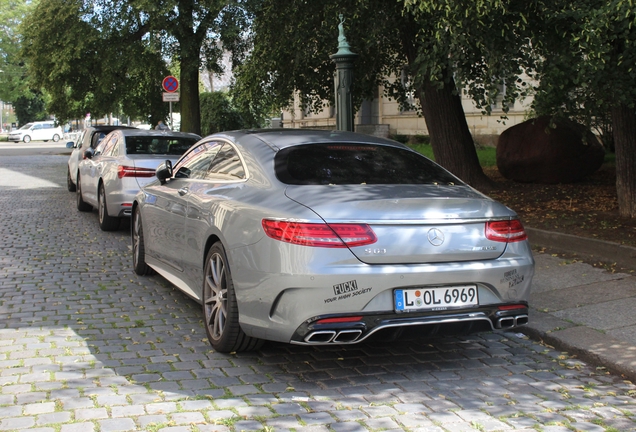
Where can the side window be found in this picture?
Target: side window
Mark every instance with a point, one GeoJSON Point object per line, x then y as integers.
{"type": "Point", "coordinates": [80, 139]}
{"type": "Point", "coordinates": [102, 145]}
{"type": "Point", "coordinates": [226, 165]}
{"type": "Point", "coordinates": [37, 127]}
{"type": "Point", "coordinates": [97, 138]}
{"type": "Point", "coordinates": [196, 162]}
{"type": "Point", "coordinates": [110, 145]}
{"type": "Point", "coordinates": [47, 126]}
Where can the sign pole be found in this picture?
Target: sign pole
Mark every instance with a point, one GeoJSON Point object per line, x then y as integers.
{"type": "Point", "coordinates": [171, 115]}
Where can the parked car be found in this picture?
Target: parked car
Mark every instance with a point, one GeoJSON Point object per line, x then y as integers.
{"type": "Point", "coordinates": [37, 131]}
{"type": "Point", "coordinates": [323, 237]}
{"type": "Point", "coordinates": [122, 163]}
{"type": "Point", "coordinates": [90, 137]}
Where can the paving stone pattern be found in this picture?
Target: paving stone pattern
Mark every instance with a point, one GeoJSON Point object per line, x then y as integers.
{"type": "Point", "coordinates": [86, 345]}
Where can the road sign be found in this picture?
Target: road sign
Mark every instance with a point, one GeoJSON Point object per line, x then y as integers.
{"type": "Point", "coordinates": [170, 84]}
{"type": "Point", "coordinates": [171, 97]}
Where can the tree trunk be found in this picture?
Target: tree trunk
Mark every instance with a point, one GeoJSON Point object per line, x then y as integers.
{"type": "Point", "coordinates": [624, 127]}
{"type": "Point", "coordinates": [189, 60]}
{"type": "Point", "coordinates": [190, 109]}
{"type": "Point", "coordinates": [451, 140]}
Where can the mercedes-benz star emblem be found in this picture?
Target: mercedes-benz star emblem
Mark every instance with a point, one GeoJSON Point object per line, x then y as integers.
{"type": "Point", "coordinates": [435, 237]}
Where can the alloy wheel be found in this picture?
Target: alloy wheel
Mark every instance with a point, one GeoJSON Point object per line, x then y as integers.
{"type": "Point", "coordinates": [216, 296]}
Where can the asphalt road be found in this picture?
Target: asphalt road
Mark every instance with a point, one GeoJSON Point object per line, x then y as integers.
{"type": "Point", "coordinates": [87, 345]}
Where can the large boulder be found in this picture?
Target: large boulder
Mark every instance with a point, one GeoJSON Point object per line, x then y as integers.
{"type": "Point", "coordinates": [534, 152]}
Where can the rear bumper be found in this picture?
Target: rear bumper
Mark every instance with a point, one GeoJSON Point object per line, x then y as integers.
{"type": "Point", "coordinates": [451, 322]}
{"type": "Point", "coordinates": [283, 291]}
{"type": "Point", "coordinates": [120, 201]}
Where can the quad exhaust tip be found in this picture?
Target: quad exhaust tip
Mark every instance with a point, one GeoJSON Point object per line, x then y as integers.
{"type": "Point", "coordinates": [512, 321]}
{"type": "Point", "coordinates": [333, 336]}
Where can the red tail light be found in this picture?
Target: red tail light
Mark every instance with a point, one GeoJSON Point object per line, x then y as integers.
{"type": "Point", "coordinates": [320, 235]}
{"type": "Point", "coordinates": [506, 231]}
{"type": "Point", "coordinates": [128, 171]}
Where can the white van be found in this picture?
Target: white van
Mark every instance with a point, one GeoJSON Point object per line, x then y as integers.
{"type": "Point", "coordinates": [37, 131]}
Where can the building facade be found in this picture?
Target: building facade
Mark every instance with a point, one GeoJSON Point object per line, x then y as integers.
{"type": "Point", "coordinates": [384, 117]}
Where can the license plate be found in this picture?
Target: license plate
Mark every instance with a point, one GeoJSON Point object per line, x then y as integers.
{"type": "Point", "coordinates": [435, 298]}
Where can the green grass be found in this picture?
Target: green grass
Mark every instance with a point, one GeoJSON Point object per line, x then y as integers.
{"type": "Point", "coordinates": [487, 155]}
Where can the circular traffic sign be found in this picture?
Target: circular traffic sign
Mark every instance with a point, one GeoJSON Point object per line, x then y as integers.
{"type": "Point", "coordinates": [170, 84]}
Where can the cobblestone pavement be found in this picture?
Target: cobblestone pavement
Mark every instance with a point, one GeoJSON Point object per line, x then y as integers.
{"type": "Point", "coordinates": [86, 345]}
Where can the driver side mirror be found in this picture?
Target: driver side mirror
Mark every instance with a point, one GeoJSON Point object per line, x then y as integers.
{"type": "Point", "coordinates": [89, 153]}
{"type": "Point", "coordinates": [164, 171]}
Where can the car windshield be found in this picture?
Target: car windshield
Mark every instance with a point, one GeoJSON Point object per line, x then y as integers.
{"type": "Point", "coordinates": [321, 164]}
{"type": "Point", "coordinates": [158, 145]}
{"type": "Point", "coordinates": [26, 126]}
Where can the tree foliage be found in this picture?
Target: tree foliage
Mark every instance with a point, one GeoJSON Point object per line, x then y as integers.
{"type": "Point", "coordinates": [12, 71]}
{"type": "Point", "coordinates": [29, 107]}
{"type": "Point", "coordinates": [588, 49]}
{"type": "Point", "coordinates": [485, 43]}
{"type": "Point", "coordinates": [217, 114]}
{"type": "Point", "coordinates": [430, 43]}
{"type": "Point", "coordinates": [85, 69]}
{"type": "Point", "coordinates": [103, 55]}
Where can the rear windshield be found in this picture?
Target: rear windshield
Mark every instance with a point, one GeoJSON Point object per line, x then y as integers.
{"type": "Point", "coordinates": [323, 164]}
{"type": "Point", "coordinates": [158, 145]}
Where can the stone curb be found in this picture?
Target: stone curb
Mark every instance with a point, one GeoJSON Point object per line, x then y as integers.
{"type": "Point", "coordinates": [587, 344]}
{"type": "Point", "coordinates": [601, 250]}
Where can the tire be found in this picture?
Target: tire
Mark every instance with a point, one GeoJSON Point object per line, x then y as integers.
{"type": "Point", "coordinates": [81, 205]}
{"type": "Point", "coordinates": [220, 308]}
{"type": "Point", "coordinates": [56, 138]}
{"type": "Point", "coordinates": [106, 222]}
{"type": "Point", "coordinates": [26, 139]}
{"type": "Point", "coordinates": [69, 182]}
{"type": "Point", "coordinates": [138, 246]}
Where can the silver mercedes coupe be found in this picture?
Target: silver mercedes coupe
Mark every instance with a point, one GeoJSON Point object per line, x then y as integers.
{"type": "Point", "coordinates": [324, 237]}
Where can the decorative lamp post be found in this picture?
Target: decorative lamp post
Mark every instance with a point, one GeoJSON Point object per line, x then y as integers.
{"type": "Point", "coordinates": [343, 80]}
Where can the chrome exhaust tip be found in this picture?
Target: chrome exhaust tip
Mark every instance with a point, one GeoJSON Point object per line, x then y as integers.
{"type": "Point", "coordinates": [511, 321]}
{"type": "Point", "coordinates": [505, 322]}
{"type": "Point", "coordinates": [320, 337]}
{"type": "Point", "coordinates": [346, 336]}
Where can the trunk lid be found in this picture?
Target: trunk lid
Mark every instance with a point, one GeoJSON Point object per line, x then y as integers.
{"type": "Point", "coordinates": [413, 224]}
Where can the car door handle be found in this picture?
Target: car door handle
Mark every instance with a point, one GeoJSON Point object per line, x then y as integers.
{"type": "Point", "coordinates": [183, 191]}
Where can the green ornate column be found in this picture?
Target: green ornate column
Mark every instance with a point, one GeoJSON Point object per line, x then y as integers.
{"type": "Point", "coordinates": [343, 81]}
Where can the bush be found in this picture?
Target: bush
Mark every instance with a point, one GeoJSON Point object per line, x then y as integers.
{"type": "Point", "coordinates": [217, 114]}
{"type": "Point", "coordinates": [400, 138]}
{"type": "Point", "coordinates": [420, 139]}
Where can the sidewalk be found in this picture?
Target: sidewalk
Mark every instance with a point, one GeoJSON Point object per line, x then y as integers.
{"type": "Point", "coordinates": [581, 309]}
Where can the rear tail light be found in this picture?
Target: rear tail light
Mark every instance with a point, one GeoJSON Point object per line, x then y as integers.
{"type": "Point", "coordinates": [131, 171]}
{"type": "Point", "coordinates": [320, 235]}
{"type": "Point", "coordinates": [506, 231]}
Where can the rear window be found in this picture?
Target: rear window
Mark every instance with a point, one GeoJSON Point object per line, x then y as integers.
{"type": "Point", "coordinates": [158, 145]}
{"type": "Point", "coordinates": [323, 164]}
